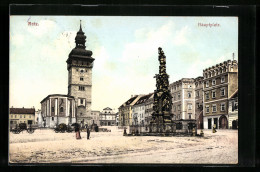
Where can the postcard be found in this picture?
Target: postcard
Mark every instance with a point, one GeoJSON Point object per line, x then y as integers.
{"type": "Point", "coordinates": [123, 90]}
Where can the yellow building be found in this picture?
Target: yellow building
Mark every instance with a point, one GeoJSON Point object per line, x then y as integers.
{"type": "Point", "coordinates": [125, 111]}
{"type": "Point", "coordinates": [22, 115]}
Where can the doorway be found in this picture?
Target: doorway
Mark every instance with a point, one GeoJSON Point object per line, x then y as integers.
{"type": "Point", "coordinates": [223, 123]}
{"type": "Point", "coordinates": [209, 123]}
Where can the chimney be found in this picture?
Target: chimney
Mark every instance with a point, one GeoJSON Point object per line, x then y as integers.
{"type": "Point", "coordinates": [233, 55]}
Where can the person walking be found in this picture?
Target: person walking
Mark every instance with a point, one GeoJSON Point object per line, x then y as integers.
{"type": "Point", "coordinates": [77, 132]}
{"type": "Point", "coordinates": [88, 133]}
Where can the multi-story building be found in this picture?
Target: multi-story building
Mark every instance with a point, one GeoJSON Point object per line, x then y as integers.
{"type": "Point", "coordinates": [233, 111]}
{"type": "Point", "coordinates": [148, 109]}
{"type": "Point", "coordinates": [125, 111]}
{"type": "Point", "coordinates": [21, 115]}
{"type": "Point", "coordinates": [139, 110]}
{"type": "Point", "coordinates": [183, 99]}
{"type": "Point", "coordinates": [79, 66]}
{"type": "Point", "coordinates": [107, 117]}
{"type": "Point", "coordinates": [94, 118]}
{"type": "Point", "coordinates": [220, 82]}
{"type": "Point", "coordinates": [199, 101]}
{"type": "Point", "coordinates": [117, 119]}
{"type": "Point", "coordinates": [57, 109]}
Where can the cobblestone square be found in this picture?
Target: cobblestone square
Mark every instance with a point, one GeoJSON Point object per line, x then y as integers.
{"type": "Point", "coordinates": [46, 146]}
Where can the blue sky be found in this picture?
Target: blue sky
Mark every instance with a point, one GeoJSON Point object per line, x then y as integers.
{"type": "Point", "coordinates": [125, 51]}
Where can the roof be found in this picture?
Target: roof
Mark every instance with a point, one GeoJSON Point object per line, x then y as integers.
{"type": "Point", "coordinates": [143, 99]}
{"type": "Point", "coordinates": [56, 95]}
{"type": "Point", "coordinates": [107, 108]}
{"type": "Point", "coordinates": [129, 101]}
{"type": "Point", "coordinates": [22, 111]}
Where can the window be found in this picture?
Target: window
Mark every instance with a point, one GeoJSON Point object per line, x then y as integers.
{"type": "Point", "coordinates": [174, 97]}
{"type": "Point", "coordinates": [189, 115]}
{"type": "Point", "coordinates": [81, 88]}
{"type": "Point", "coordinates": [207, 95]}
{"type": "Point", "coordinates": [222, 91]}
{"type": "Point", "coordinates": [52, 109]}
{"type": "Point", "coordinates": [15, 116]}
{"type": "Point", "coordinates": [24, 116]}
{"type": "Point", "coordinates": [189, 94]}
{"type": "Point", "coordinates": [179, 107]}
{"type": "Point", "coordinates": [174, 108]}
{"type": "Point", "coordinates": [52, 118]}
{"type": "Point", "coordinates": [61, 109]}
{"type": "Point", "coordinates": [234, 106]}
{"type": "Point", "coordinates": [189, 106]}
{"type": "Point", "coordinates": [81, 101]}
{"type": "Point", "coordinates": [214, 108]}
{"type": "Point", "coordinates": [222, 79]}
{"type": "Point", "coordinates": [20, 116]}
{"type": "Point", "coordinates": [198, 105]}
{"type": "Point", "coordinates": [30, 116]}
{"type": "Point", "coordinates": [179, 95]}
{"type": "Point", "coordinates": [81, 78]}
{"type": "Point", "coordinates": [213, 94]}
{"type": "Point", "coordinates": [197, 93]}
{"type": "Point", "coordinates": [222, 107]}
{"type": "Point", "coordinates": [207, 109]}
{"type": "Point", "coordinates": [207, 83]}
{"type": "Point", "coordinates": [213, 82]}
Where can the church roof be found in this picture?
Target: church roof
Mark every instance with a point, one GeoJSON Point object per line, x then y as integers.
{"type": "Point", "coordinates": [56, 95]}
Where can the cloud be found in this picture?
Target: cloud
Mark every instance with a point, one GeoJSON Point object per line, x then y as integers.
{"type": "Point", "coordinates": [181, 36]}
{"type": "Point", "coordinates": [147, 40]}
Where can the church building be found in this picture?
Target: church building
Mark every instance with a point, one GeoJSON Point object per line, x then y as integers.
{"type": "Point", "coordinates": [76, 106]}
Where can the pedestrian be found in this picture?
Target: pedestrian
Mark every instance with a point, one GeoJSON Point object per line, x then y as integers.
{"type": "Point", "coordinates": [77, 132]}
{"type": "Point", "coordinates": [88, 132]}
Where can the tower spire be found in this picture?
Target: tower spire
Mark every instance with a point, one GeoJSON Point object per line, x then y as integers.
{"type": "Point", "coordinates": [80, 27]}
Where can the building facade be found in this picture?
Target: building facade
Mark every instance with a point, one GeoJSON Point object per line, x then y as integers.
{"type": "Point", "coordinates": [148, 109]}
{"type": "Point", "coordinates": [79, 66]}
{"type": "Point", "coordinates": [94, 118]}
{"type": "Point", "coordinates": [233, 111]}
{"type": "Point", "coordinates": [199, 101]}
{"type": "Point", "coordinates": [125, 111]}
{"type": "Point", "coordinates": [107, 117]}
{"type": "Point", "coordinates": [21, 115]}
{"type": "Point", "coordinates": [220, 82]}
{"type": "Point", "coordinates": [139, 110]}
{"type": "Point", "coordinates": [183, 99]}
{"type": "Point", "coordinates": [57, 109]}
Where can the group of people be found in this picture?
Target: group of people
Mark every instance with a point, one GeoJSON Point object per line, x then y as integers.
{"type": "Point", "coordinates": [77, 130]}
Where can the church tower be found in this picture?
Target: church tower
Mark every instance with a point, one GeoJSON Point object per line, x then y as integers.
{"type": "Point", "coordinates": [79, 66]}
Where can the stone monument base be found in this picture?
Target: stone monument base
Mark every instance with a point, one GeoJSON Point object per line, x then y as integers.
{"type": "Point", "coordinates": [173, 128]}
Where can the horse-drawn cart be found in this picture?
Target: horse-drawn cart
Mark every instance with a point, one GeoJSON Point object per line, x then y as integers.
{"type": "Point", "coordinates": [22, 127]}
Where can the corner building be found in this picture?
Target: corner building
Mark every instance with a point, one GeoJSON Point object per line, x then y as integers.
{"type": "Point", "coordinates": [220, 83]}
{"type": "Point", "coordinates": [79, 66]}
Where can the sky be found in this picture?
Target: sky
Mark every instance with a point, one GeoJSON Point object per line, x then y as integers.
{"type": "Point", "coordinates": [125, 51]}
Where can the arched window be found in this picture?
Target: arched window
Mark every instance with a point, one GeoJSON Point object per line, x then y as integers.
{"type": "Point", "coordinates": [61, 109]}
